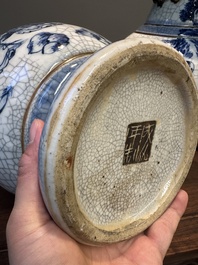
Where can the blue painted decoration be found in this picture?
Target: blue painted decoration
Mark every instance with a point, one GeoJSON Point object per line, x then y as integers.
{"type": "Point", "coordinates": [50, 90]}
{"type": "Point", "coordinates": [88, 33]}
{"type": "Point", "coordinates": [44, 43]}
{"type": "Point", "coordinates": [26, 29]}
{"type": "Point", "coordinates": [190, 12]}
{"type": "Point", "coordinates": [47, 43]}
{"type": "Point", "coordinates": [177, 25]}
{"type": "Point", "coordinates": [8, 51]}
{"type": "Point", "coordinates": [185, 44]}
{"type": "Point", "coordinates": [4, 97]}
{"type": "Point", "coordinates": [181, 45]}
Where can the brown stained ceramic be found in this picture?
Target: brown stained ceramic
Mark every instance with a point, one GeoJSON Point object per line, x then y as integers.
{"type": "Point", "coordinates": [100, 199]}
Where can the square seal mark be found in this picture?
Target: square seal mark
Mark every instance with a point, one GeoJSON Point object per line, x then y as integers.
{"type": "Point", "coordinates": [139, 142]}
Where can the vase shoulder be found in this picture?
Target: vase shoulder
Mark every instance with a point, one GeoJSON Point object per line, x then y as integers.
{"type": "Point", "coordinates": [28, 55]}
{"type": "Point", "coordinates": [182, 13]}
{"type": "Point", "coordinates": [176, 25]}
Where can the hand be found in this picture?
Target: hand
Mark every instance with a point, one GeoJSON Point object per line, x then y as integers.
{"type": "Point", "coordinates": [33, 238]}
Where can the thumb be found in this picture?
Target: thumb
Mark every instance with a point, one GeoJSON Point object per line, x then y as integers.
{"type": "Point", "coordinates": [162, 231]}
{"type": "Point", "coordinates": [27, 191]}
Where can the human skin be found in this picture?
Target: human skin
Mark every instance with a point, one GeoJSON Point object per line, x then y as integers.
{"type": "Point", "coordinates": [33, 238]}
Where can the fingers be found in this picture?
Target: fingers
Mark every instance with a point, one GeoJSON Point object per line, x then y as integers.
{"type": "Point", "coordinates": [27, 192]}
{"type": "Point", "coordinates": [162, 231]}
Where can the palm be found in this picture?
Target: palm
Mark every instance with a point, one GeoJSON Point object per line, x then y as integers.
{"type": "Point", "coordinates": [139, 250]}
{"type": "Point", "coordinates": [58, 248]}
{"type": "Point", "coordinates": [33, 238]}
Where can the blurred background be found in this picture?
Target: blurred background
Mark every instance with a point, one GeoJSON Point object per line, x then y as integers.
{"type": "Point", "coordinates": [114, 19]}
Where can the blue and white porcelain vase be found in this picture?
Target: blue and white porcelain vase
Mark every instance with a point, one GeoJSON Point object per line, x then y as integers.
{"type": "Point", "coordinates": [35, 63]}
{"type": "Point", "coordinates": [121, 126]}
{"type": "Point", "coordinates": [176, 24]}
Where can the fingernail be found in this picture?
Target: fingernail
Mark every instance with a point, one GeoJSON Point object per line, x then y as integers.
{"type": "Point", "coordinates": [33, 130]}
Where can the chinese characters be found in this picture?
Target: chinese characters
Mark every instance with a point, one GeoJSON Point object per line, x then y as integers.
{"type": "Point", "coordinates": [139, 142]}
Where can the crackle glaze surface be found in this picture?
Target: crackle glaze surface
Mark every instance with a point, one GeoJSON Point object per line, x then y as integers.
{"type": "Point", "coordinates": [182, 13]}
{"type": "Point", "coordinates": [147, 95]}
{"type": "Point", "coordinates": [121, 126]}
{"type": "Point", "coordinates": [117, 146]}
{"type": "Point", "coordinates": [27, 55]}
{"type": "Point", "coordinates": [50, 88]}
{"type": "Point", "coordinates": [176, 24]}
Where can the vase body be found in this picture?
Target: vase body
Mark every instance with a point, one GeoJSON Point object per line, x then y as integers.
{"type": "Point", "coordinates": [176, 24]}
{"type": "Point", "coordinates": [30, 57]}
{"type": "Point", "coordinates": [121, 126]}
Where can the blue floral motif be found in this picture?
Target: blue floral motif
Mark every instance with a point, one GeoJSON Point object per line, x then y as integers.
{"type": "Point", "coordinates": [47, 43]}
{"type": "Point", "coordinates": [26, 29]}
{"type": "Point", "coordinates": [195, 42]}
{"type": "Point", "coordinates": [190, 12]}
{"type": "Point", "coordinates": [8, 51]}
{"type": "Point", "coordinates": [91, 34]}
{"type": "Point", "coordinates": [185, 45]}
{"type": "Point", "coordinates": [181, 45]}
{"type": "Point", "coordinates": [193, 34]}
{"type": "Point", "coordinates": [4, 97]}
{"type": "Point", "coordinates": [44, 42]}
{"type": "Point", "coordinates": [50, 42]}
{"type": "Point", "coordinates": [41, 42]}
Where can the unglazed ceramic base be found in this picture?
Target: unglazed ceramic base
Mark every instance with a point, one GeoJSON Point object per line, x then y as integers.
{"type": "Point", "coordinates": [119, 142]}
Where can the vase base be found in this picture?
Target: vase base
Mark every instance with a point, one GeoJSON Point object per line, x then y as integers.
{"type": "Point", "coordinates": [124, 144]}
